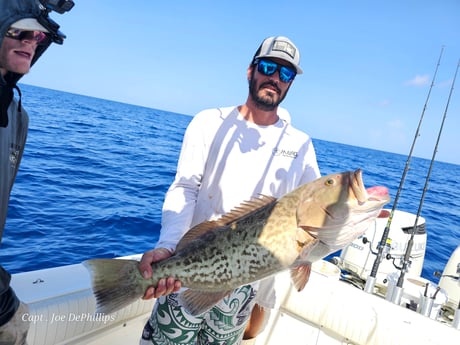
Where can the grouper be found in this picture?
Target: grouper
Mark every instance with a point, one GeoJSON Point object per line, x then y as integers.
{"type": "Point", "coordinates": [259, 238]}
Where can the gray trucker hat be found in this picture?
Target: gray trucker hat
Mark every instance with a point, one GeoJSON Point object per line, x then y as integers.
{"type": "Point", "coordinates": [282, 48]}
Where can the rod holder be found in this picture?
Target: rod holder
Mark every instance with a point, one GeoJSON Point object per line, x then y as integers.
{"type": "Point", "coordinates": [396, 295]}
{"type": "Point", "coordinates": [370, 283]}
{"type": "Point", "coordinates": [426, 305]}
{"type": "Point", "coordinates": [456, 322]}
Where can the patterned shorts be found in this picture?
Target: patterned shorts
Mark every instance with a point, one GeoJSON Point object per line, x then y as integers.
{"type": "Point", "coordinates": [224, 324]}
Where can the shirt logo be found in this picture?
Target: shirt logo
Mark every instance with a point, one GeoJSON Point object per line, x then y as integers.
{"type": "Point", "coordinates": [285, 153]}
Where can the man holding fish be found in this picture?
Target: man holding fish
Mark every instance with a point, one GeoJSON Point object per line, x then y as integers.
{"type": "Point", "coordinates": [247, 202]}
{"type": "Point", "coordinates": [228, 156]}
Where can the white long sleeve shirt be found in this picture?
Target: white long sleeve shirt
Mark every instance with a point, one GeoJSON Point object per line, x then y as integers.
{"type": "Point", "coordinates": [226, 160]}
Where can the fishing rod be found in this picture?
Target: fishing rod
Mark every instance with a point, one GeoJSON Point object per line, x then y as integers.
{"type": "Point", "coordinates": [406, 262]}
{"type": "Point", "coordinates": [384, 244]}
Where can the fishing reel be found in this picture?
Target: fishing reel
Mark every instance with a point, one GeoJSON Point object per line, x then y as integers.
{"type": "Point", "coordinates": [386, 248]}
{"type": "Point", "coordinates": [438, 274]}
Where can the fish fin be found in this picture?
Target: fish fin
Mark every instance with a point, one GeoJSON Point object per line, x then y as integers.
{"type": "Point", "coordinates": [303, 238]}
{"type": "Point", "coordinates": [196, 232]}
{"type": "Point", "coordinates": [244, 209]}
{"type": "Point", "coordinates": [116, 283]}
{"type": "Point", "coordinates": [306, 243]}
{"type": "Point", "coordinates": [300, 272]}
{"type": "Point", "coordinates": [197, 302]}
{"type": "Point", "coordinates": [300, 275]}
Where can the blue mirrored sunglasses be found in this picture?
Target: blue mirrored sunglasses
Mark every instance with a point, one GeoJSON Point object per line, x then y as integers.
{"type": "Point", "coordinates": [18, 34]}
{"type": "Point", "coordinates": [267, 67]}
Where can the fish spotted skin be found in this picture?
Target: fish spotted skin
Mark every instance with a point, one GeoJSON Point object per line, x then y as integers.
{"type": "Point", "coordinates": [259, 238]}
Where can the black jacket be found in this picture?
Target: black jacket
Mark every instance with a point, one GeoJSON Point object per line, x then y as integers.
{"type": "Point", "coordinates": [13, 127]}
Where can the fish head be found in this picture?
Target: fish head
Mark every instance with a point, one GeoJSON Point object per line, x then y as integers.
{"type": "Point", "coordinates": [337, 208]}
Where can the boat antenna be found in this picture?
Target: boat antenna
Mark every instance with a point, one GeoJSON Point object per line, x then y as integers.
{"type": "Point", "coordinates": [406, 262]}
{"type": "Point", "coordinates": [384, 244]}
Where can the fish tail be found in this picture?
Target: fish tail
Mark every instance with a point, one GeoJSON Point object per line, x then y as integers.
{"type": "Point", "coordinates": [116, 283]}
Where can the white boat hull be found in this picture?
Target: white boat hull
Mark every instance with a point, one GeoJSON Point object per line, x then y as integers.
{"type": "Point", "coordinates": [329, 311]}
{"type": "Point", "coordinates": [62, 309]}
{"type": "Point", "coordinates": [326, 312]}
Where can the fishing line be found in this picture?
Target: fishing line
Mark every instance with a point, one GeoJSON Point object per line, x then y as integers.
{"type": "Point", "coordinates": [384, 243]}
{"type": "Point", "coordinates": [410, 244]}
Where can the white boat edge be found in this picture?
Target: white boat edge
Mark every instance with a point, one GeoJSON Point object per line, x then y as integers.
{"type": "Point", "coordinates": [327, 311]}
{"type": "Point", "coordinates": [62, 309]}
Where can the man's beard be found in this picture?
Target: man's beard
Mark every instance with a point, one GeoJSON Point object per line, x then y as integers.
{"type": "Point", "coordinates": [265, 102]}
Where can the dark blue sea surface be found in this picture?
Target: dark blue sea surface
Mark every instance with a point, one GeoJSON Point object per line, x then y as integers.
{"type": "Point", "coordinates": [94, 175]}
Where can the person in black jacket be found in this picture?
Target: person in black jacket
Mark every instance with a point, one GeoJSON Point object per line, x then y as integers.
{"type": "Point", "coordinates": [26, 31]}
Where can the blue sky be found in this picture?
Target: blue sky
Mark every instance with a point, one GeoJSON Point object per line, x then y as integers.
{"type": "Point", "coordinates": [368, 65]}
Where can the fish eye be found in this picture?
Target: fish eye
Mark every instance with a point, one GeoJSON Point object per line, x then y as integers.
{"type": "Point", "coordinates": [329, 182]}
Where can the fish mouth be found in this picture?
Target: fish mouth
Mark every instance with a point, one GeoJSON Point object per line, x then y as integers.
{"type": "Point", "coordinates": [357, 186]}
{"type": "Point", "coordinates": [376, 194]}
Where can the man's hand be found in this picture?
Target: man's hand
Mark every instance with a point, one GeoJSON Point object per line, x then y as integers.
{"type": "Point", "coordinates": [165, 286]}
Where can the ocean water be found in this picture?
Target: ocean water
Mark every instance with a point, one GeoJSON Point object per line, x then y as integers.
{"type": "Point", "coordinates": [94, 174]}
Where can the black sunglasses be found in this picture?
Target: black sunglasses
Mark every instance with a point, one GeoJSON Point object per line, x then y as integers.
{"type": "Point", "coordinates": [268, 67]}
{"type": "Point", "coordinates": [18, 34]}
